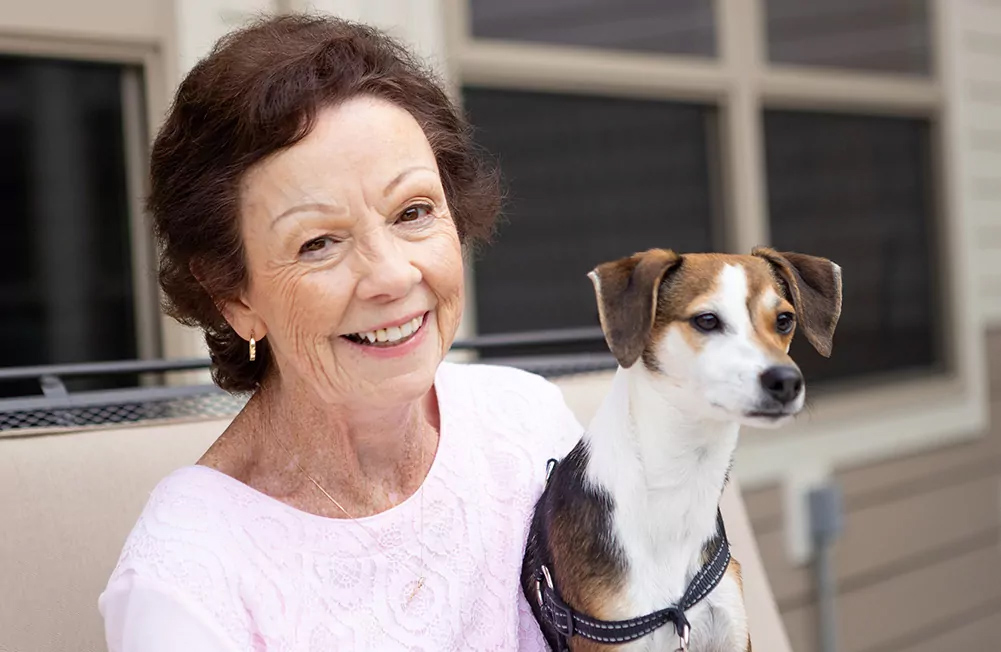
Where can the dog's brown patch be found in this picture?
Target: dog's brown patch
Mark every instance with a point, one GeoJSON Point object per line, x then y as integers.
{"type": "Point", "coordinates": [597, 583]}
{"type": "Point", "coordinates": [695, 279]}
{"type": "Point", "coordinates": [733, 569]}
{"type": "Point", "coordinates": [627, 291]}
{"type": "Point", "coordinates": [597, 586]}
{"type": "Point", "coordinates": [813, 285]}
{"type": "Point", "coordinates": [641, 297]}
{"type": "Point", "coordinates": [689, 283]}
{"type": "Point", "coordinates": [765, 302]}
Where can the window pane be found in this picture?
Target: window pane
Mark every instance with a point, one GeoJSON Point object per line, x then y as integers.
{"type": "Point", "coordinates": [588, 180]}
{"type": "Point", "coordinates": [857, 190]}
{"type": "Point", "coordinates": [877, 35]}
{"type": "Point", "coordinates": [65, 276]}
{"type": "Point", "coordinates": [676, 27]}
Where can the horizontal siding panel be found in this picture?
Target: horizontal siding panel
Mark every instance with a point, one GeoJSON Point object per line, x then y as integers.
{"type": "Point", "coordinates": [984, 156]}
{"type": "Point", "coordinates": [981, 68]}
{"type": "Point", "coordinates": [981, 15]}
{"type": "Point", "coordinates": [889, 534]}
{"type": "Point", "coordinates": [989, 238]}
{"type": "Point", "coordinates": [981, 116]}
{"type": "Point", "coordinates": [878, 617]}
{"type": "Point", "coordinates": [984, 212]}
{"type": "Point", "coordinates": [980, 633]}
{"type": "Point", "coordinates": [865, 483]}
{"type": "Point", "coordinates": [993, 351]}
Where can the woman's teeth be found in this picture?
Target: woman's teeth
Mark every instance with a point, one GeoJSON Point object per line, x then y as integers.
{"type": "Point", "coordinates": [390, 335]}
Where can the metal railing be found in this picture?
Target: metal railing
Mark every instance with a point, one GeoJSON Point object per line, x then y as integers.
{"type": "Point", "coordinates": [58, 407]}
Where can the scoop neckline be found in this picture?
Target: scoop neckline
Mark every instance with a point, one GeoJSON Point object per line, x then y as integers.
{"type": "Point", "coordinates": [400, 508]}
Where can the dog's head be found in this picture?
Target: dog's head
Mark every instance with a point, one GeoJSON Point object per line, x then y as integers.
{"type": "Point", "coordinates": [717, 328]}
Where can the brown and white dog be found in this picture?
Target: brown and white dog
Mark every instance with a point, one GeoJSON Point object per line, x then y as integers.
{"type": "Point", "coordinates": [702, 342]}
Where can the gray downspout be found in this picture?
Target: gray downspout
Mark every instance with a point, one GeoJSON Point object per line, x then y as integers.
{"type": "Point", "coordinates": [826, 522]}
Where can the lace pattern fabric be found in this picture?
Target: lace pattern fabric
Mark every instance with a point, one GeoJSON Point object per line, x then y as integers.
{"type": "Point", "coordinates": [267, 576]}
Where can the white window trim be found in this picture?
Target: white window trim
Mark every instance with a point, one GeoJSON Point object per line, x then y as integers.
{"type": "Point", "coordinates": [856, 424]}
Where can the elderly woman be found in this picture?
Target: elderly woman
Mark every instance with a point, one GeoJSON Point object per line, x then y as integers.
{"type": "Point", "coordinates": [311, 190]}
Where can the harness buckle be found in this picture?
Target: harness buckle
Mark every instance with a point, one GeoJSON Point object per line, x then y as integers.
{"type": "Point", "coordinates": [549, 578]}
{"type": "Point", "coordinates": [684, 633]}
{"type": "Point", "coordinates": [550, 467]}
{"type": "Point", "coordinates": [538, 584]}
{"type": "Point", "coordinates": [559, 615]}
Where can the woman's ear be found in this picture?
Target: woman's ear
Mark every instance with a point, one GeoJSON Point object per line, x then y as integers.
{"type": "Point", "coordinates": [237, 311]}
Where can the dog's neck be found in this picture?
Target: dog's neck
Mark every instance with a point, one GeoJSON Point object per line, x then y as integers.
{"type": "Point", "coordinates": [663, 465]}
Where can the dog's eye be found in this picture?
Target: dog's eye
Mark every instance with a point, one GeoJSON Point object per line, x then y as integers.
{"type": "Point", "coordinates": [707, 322]}
{"type": "Point", "coordinates": [784, 323]}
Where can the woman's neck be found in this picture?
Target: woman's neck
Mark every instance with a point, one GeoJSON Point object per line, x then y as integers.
{"type": "Point", "coordinates": [368, 459]}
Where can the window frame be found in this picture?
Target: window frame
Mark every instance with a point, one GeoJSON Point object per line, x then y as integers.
{"type": "Point", "coordinates": [142, 98]}
{"type": "Point", "coordinates": [854, 422]}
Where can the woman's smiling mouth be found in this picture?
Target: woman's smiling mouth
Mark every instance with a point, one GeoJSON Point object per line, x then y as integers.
{"type": "Point", "coordinates": [390, 336]}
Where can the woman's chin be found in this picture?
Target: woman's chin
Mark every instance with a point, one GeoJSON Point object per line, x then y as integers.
{"type": "Point", "coordinates": [394, 373]}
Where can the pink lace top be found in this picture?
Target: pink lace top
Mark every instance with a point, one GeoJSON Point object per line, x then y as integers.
{"type": "Point", "coordinates": [215, 565]}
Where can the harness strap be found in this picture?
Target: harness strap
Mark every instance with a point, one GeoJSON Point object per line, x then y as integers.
{"type": "Point", "coordinates": [569, 622]}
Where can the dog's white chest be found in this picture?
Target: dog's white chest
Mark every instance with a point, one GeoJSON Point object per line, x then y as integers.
{"type": "Point", "coordinates": [719, 624]}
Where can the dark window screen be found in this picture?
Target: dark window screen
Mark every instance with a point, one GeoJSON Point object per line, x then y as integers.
{"type": "Point", "coordinates": [588, 180]}
{"type": "Point", "coordinates": [675, 26]}
{"type": "Point", "coordinates": [859, 190]}
{"type": "Point", "coordinates": [876, 35]}
{"type": "Point", "coordinates": [65, 263]}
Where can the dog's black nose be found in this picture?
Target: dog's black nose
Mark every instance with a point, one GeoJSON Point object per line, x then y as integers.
{"type": "Point", "coordinates": [782, 383]}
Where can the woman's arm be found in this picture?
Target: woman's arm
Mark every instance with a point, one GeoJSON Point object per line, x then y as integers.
{"type": "Point", "coordinates": [144, 616]}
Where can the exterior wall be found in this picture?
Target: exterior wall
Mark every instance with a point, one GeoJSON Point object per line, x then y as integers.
{"type": "Point", "coordinates": [115, 20]}
{"type": "Point", "coordinates": [919, 562]}
{"type": "Point", "coordinates": [979, 100]}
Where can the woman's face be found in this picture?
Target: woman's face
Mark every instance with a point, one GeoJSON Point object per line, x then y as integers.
{"type": "Point", "coordinates": [355, 267]}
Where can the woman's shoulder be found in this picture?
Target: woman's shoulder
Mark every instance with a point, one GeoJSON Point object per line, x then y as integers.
{"type": "Point", "coordinates": [510, 403]}
{"type": "Point", "coordinates": [188, 521]}
{"type": "Point", "coordinates": [501, 383]}
{"type": "Point", "coordinates": [186, 543]}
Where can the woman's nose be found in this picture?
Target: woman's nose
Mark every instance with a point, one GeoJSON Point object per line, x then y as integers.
{"type": "Point", "coordinates": [390, 273]}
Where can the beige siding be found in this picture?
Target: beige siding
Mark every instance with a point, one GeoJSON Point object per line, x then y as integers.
{"type": "Point", "coordinates": [919, 562]}
{"type": "Point", "coordinates": [979, 65]}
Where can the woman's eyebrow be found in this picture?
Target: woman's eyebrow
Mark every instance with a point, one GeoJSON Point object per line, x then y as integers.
{"type": "Point", "coordinates": [403, 175]}
{"type": "Point", "coordinates": [318, 207]}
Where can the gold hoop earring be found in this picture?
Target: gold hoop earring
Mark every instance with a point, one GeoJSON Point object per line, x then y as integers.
{"type": "Point", "coordinates": [253, 348]}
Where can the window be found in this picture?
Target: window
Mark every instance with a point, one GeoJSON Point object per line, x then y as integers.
{"type": "Point", "coordinates": [589, 179]}
{"type": "Point", "coordinates": [883, 36]}
{"type": "Point", "coordinates": [678, 26]}
{"type": "Point", "coordinates": [827, 130]}
{"type": "Point", "coordinates": [859, 190]}
{"type": "Point", "coordinates": [67, 286]}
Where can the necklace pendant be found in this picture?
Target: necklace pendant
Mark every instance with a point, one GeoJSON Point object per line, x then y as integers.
{"type": "Point", "coordinates": [413, 594]}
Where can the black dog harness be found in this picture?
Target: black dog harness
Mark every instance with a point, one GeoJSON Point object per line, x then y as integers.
{"type": "Point", "coordinates": [569, 622]}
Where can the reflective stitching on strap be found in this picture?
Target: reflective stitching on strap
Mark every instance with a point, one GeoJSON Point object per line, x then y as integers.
{"type": "Point", "coordinates": [577, 624]}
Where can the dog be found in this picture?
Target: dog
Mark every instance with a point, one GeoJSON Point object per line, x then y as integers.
{"type": "Point", "coordinates": [630, 516]}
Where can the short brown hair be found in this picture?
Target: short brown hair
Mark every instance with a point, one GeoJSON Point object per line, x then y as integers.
{"type": "Point", "coordinates": [256, 93]}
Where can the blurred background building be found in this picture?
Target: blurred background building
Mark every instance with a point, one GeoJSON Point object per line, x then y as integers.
{"type": "Point", "coordinates": [867, 131]}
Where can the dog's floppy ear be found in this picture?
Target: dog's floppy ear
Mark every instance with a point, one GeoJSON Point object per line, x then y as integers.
{"type": "Point", "coordinates": [626, 290]}
{"type": "Point", "coordinates": [814, 288]}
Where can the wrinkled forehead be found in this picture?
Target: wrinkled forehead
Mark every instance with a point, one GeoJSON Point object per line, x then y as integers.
{"type": "Point", "coordinates": [721, 283]}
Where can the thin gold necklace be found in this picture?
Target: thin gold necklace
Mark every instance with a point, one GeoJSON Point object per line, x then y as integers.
{"type": "Point", "coordinates": [420, 576]}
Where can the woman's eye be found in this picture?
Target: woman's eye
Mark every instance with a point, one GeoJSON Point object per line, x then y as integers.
{"type": "Point", "coordinates": [415, 213]}
{"type": "Point", "coordinates": [784, 323]}
{"type": "Point", "coordinates": [707, 322]}
{"type": "Point", "coordinates": [315, 245]}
